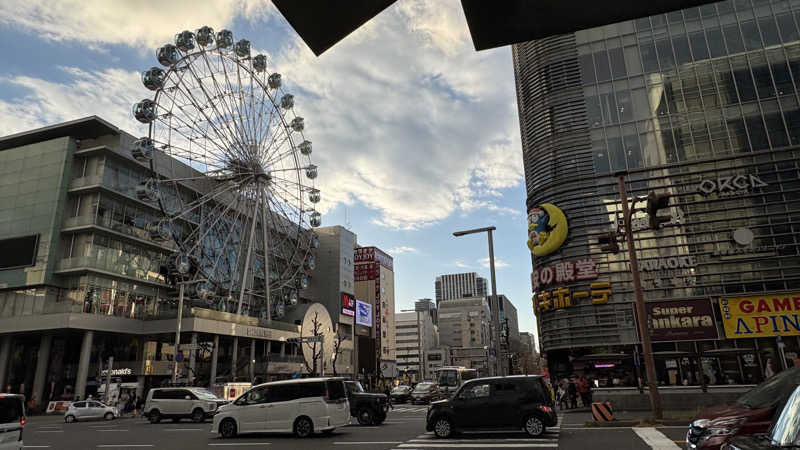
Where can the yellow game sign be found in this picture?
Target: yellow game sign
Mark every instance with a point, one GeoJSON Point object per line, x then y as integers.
{"type": "Point", "coordinates": [761, 316]}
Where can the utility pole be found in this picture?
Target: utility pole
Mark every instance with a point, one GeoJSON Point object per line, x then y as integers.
{"type": "Point", "coordinates": [641, 314]}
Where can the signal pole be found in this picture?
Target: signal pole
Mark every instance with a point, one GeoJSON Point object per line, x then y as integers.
{"type": "Point", "coordinates": [641, 314]}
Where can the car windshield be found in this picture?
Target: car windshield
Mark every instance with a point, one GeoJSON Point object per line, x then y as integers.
{"type": "Point", "coordinates": [448, 378]}
{"type": "Point", "coordinates": [10, 409]}
{"type": "Point", "coordinates": [786, 431]}
{"type": "Point", "coordinates": [771, 392]}
{"type": "Point", "coordinates": [354, 387]}
{"type": "Point", "coordinates": [400, 390]}
{"type": "Point", "coordinates": [423, 387]}
{"type": "Point", "coordinates": [204, 394]}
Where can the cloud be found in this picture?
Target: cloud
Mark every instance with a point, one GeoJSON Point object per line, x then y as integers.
{"type": "Point", "coordinates": [109, 93]}
{"type": "Point", "coordinates": [498, 263]}
{"type": "Point", "coordinates": [406, 118]}
{"type": "Point", "coordinates": [146, 23]}
{"type": "Point", "coordinates": [460, 264]}
{"type": "Point", "coordinates": [402, 249]}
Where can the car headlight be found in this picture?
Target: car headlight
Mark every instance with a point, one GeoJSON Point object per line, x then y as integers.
{"type": "Point", "coordinates": [724, 426]}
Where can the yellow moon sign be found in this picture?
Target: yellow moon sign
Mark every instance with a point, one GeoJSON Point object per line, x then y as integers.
{"type": "Point", "coordinates": [547, 229]}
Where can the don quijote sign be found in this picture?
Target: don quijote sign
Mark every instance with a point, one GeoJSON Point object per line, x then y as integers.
{"type": "Point", "coordinates": [730, 186]}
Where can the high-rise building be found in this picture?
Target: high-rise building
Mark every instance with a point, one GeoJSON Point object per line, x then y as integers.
{"type": "Point", "coordinates": [464, 322]}
{"type": "Point", "coordinates": [700, 105]}
{"type": "Point", "coordinates": [374, 280]}
{"type": "Point", "coordinates": [509, 313]}
{"type": "Point", "coordinates": [415, 333]}
{"type": "Point", "coordinates": [459, 285]}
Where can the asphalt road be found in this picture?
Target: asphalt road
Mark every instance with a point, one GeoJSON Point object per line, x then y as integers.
{"type": "Point", "coordinates": [403, 429]}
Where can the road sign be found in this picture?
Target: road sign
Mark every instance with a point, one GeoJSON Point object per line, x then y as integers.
{"type": "Point", "coordinates": [179, 356]}
{"type": "Point", "coordinates": [305, 339]}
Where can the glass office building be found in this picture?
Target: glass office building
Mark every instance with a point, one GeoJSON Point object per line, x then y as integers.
{"type": "Point", "coordinates": [700, 105]}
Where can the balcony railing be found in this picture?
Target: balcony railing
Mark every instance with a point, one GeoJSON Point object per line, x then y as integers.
{"type": "Point", "coordinates": [116, 267]}
{"type": "Point", "coordinates": [91, 180]}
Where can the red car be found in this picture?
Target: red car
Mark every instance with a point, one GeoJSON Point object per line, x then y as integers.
{"type": "Point", "coordinates": [751, 414]}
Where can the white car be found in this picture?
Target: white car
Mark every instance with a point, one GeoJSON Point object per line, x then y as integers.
{"type": "Point", "coordinates": [89, 410]}
{"type": "Point", "coordinates": [12, 421]}
{"type": "Point", "coordinates": [177, 403]}
{"type": "Point", "coordinates": [300, 406]}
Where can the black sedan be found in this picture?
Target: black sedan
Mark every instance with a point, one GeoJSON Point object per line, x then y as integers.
{"type": "Point", "coordinates": [401, 394]}
{"type": "Point", "coordinates": [425, 392]}
{"type": "Point", "coordinates": [784, 433]}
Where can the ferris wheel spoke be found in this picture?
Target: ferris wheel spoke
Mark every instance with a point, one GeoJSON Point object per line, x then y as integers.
{"type": "Point", "coordinates": [225, 207]}
{"type": "Point", "coordinates": [222, 253]}
{"type": "Point", "coordinates": [221, 96]}
{"type": "Point", "coordinates": [275, 155]}
{"type": "Point", "coordinates": [211, 102]}
{"type": "Point", "coordinates": [232, 89]}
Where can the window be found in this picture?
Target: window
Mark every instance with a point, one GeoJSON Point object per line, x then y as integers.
{"type": "Point", "coordinates": [763, 81]}
{"type": "Point", "coordinates": [94, 405]}
{"type": "Point", "coordinates": [633, 61]}
{"type": "Point", "coordinates": [505, 388]}
{"type": "Point", "coordinates": [697, 41]}
{"type": "Point", "coordinates": [715, 42]}
{"type": "Point", "coordinates": [475, 391]}
{"type": "Point", "coordinates": [617, 63]}
{"type": "Point", "coordinates": [665, 54]}
{"type": "Point", "coordinates": [787, 28]}
{"type": "Point", "coordinates": [649, 57]}
{"type": "Point", "coordinates": [18, 252]}
{"type": "Point", "coordinates": [335, 389]}
{"type": "Point", "coordinates": [593, 111]}
{"type": "Point", "coordinates": [758, 136]}
{"type": "Point", "coordinates": [744, 84]}
{"type": "Point", "coordinates": [682, 53]}
{"type": "Point", "coordinates": [254, 396]}
{"type": "Point", "coordinates": [603, 69]}
{"type": "Point", "coordinates": [776, 131]}
{"type": "Point", "coordinates": [587, 69]}
{"type": "Point", "coordinates": [769, 31]}
{"type": "Point", "coordinates": [624, 106]}
{"type": "Point", "coordinates": [752, 40]}
{"type": "Point", "coordinates": [733, 39]}
{"type": "Point", "coordinates": [83, 404]}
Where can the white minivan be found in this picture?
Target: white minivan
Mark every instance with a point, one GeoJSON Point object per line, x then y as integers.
{"type": "Point", "coordinates": [300, 406]}
{"type": "Point", "coordinates": [12, 421]}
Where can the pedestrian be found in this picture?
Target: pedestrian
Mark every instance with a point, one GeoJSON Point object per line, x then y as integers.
{"type": "Point", "coordinates": [572, 391]}
{"type": "Point", "coordinates": [562, 396]}
{"type": "Point", "coordinates": [583, 390]}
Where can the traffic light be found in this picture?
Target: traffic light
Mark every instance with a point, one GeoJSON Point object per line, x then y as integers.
{"type": "Point", "coordinates": [654, 203]}
{"type": "Point", "coordinates": [608, 242]}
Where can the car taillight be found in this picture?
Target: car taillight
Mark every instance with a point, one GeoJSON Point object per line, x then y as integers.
{"type": "Point", "coordinates": [22, 421]}
{"type": "Point", "coordinates": [546, 409]}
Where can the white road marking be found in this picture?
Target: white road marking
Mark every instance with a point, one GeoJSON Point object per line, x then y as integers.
{"type": "Point", "coordinates": [36, 446]}
{"type": "Point", "coordinates": [477, 445]}
{"type": "Point", "coordinates": [240, 444]}
{"type": "Point", "coordinates": [182, 429]}
{"type": "Point", "coordinates": [655, 439]}
{"type": "Point", "coordinates": [49, 431]}
{"type": "Point", "coordinates": [124, 445]}
{"type": "Point", "coordinates": [367, 443]}
{"type": "Point", "coordinates": [103, 426]}
{"type": "Point", "coordinates": [115, 429]}
{"type": "Point", "coordinates": [535, 441]}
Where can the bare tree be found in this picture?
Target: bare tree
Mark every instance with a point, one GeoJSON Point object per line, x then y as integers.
{"type": "Point", "coordinates": [315, 355]}
{"type": "Point", "coordinates": [337, 348]}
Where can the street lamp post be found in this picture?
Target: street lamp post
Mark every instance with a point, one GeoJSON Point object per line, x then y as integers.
{"type": "Point", "coordinates": [641, 314]}
{"type": "Point", "coordinates": [494, 307]}
{"type": "Point", "coordinates": [181, 288]}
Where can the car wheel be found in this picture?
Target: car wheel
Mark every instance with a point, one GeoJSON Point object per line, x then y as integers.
{"type": "Point", "coordinates": [108, 416]}
{"type": "Point", "coordinates": [69, 419]}
{"type": "Point", "coordinates": [534, 426]}
{"type": "Point", "coordinates": [154, 416]}
{"type": "Point", "coordinates": [227, 429]}
{"type": "Point", "coordinates": [365, 417]}
{"type": "Point", "coordinates": [303, 427]}
{"type": "Point", "coordinates": [443, 427]}
{"type": "Point", "coordinates": [198, 416]}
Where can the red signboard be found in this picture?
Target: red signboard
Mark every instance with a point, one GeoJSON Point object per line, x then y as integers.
{"type": "Point", "coordinates": [348, 304]}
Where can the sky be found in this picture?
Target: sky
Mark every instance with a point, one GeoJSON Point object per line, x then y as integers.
{"type": "Point", "coordinates": [415, 133]}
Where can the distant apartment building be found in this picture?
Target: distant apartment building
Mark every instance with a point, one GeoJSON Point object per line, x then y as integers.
{"type": "Point", "coordinates": [435, 359]}
{"type": "Point", "coordinates": [415, 331]}
{"type": "Point", "coordinates": [478, 358]}
{"type": "Point", "coordinates": [459, 285]}
{"type": "Point", "coordinates": [464, 322]}
{"type": "Point", "coordinates": [374, 283]}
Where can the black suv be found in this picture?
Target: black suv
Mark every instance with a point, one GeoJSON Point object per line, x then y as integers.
{"type": "Point", "coordinates": [369, 409]}
{"type": "Point", "coordinates": [495, 403]}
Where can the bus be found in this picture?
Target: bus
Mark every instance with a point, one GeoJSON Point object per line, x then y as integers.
{"type": "Point", "coordinates": [451, 378]}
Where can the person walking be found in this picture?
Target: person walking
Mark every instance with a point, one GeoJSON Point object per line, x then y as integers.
{"type": "Point", "coordinates": [572, 391]}
{"type": "Point", "coordinates": [583, 390]}
{"type": "Point", "coordinates": [562, 395]}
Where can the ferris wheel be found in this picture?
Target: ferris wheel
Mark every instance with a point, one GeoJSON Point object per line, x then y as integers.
{"type": "Point", "coordinates": [230, 173]}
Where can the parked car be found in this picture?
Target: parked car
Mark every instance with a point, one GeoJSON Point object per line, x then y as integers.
{"type": "Point", "coordinates": [401, 394]}
{"type": "Point", "coordinates": [12, 421]}
{"type": "Point", "coordinates": [89, 410]}
{"type": "Point", "coordinates": [751, 414]}
{"type": "Point", "coordinates": [784, 433]}
{"type": "Point", "coordinates": [369, 409]}
{"type": "Point", "coordinates": [495, 403]}
{"type": "Point", "coordinates": [300, 406]}
{"type": "Point", "coordinates": [425, 392]}
{"type": "Point", "coordinates": [174, 403]}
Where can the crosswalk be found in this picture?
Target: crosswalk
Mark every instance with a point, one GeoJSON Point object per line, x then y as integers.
{"type": "Point", "coordinates": [409, 409]}
{"type": "Point", "coordinates": [486, 440]}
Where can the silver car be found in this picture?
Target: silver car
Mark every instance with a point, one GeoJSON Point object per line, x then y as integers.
{"type": "Point", "coordinates": [90, 410]}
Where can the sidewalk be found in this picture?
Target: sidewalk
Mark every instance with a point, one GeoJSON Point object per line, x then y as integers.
{"type": "Point", "coordinates": [581, 416]}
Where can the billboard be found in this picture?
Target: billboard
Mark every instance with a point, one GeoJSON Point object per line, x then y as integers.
{"type": "Point", "coordinates": [681, 320]}
{"type": "Point", "coordinates": [363, 313]}
{"type": "Point", "coordinates": [348, 305]}
{"type": "Point", "coordinates": [761, 315]}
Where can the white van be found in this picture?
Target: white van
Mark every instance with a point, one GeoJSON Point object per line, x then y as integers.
{"type": "Point", "coordinates": [300, 406]}
{"type": "Point", "coordinates": [177, 403]}
{"type": "Point", "coordinates": [12, 421]}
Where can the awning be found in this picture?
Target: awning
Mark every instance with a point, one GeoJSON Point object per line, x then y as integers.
{"type": "Point", "coordinates": [728, 351]}
{"type": "Point", "coordinates": [603, 357]}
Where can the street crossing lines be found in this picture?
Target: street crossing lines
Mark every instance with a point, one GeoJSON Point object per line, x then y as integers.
{"type": "Point", "coordinates": [408, 410]}
{"type": "Point", "coordinates": [655, 439]}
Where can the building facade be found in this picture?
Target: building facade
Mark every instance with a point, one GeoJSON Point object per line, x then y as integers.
{"type": "Point", "coordinates": [81, 278]}
{"type": "Point", "coordinates": [700, 105]}
{"type": "Point", "coordinates": [374, 281]}
{"type": "Point", "coordinates": [459, 285]}
{"type": "Point", "coordinates": [415, 334]}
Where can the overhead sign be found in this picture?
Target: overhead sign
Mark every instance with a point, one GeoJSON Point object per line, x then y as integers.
{"type": "Point", "coordinates": [681, 320]}
{"type": "Point", "coordinates": [547, 229]}
{"type": "Point", "coordinates": [761, 316]}
{"type": "Point", "coordinates": [730, 186]}
{"type": "Point", "coordinates": [668, 263]}
{"type": "Point", "coordinates": [117, 372]}
{"type": "Point", "coordinates": [348, 305]}
{"type": "Point", "coordinates": [363, 313]}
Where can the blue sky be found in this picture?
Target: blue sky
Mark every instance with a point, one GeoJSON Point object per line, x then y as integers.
{"type": "Point", "coordinates": [415, 133]}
